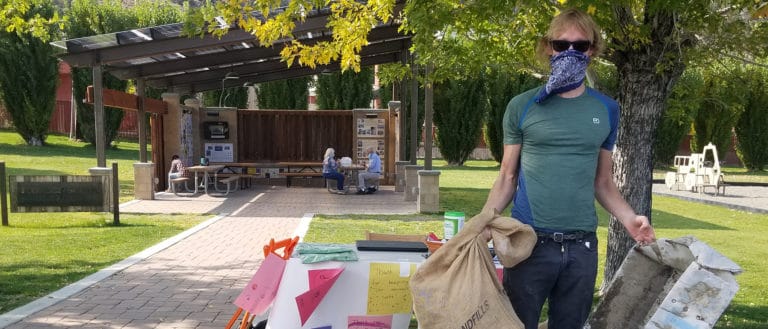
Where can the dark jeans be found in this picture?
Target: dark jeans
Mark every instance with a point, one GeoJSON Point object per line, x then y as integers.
{"type": "Point", "coordinates": [563, 272]}
{"type": "Point", "coordinates": [339, 177]}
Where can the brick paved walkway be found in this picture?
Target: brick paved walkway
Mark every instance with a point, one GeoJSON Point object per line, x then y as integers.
{"type": "Point", "coordinates": [193, 282]}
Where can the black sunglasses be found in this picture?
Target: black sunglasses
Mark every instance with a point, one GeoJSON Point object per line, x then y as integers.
{"type": "Point", "coordinates": [563, 45]}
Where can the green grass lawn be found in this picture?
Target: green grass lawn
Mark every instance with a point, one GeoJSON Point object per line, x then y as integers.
{"type": "Point", "coordinates": [42, 252]}
{"type": "Point", "coordinates": [739, 235]}
{"type": "Point", "coordinates": [65, 157]}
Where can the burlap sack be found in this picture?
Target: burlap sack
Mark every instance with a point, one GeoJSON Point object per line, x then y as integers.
{"type": "Point", "coordinates": [457, 287]}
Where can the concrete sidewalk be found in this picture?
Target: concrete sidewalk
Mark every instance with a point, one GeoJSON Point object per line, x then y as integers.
{"type": "Point", "coordinates": [192, 280]}
{"type": "Point", "coordinates": [745, 198]}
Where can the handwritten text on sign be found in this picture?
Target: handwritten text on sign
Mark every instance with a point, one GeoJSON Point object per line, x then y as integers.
{"type": "Point", "coordinates": [388, 291]}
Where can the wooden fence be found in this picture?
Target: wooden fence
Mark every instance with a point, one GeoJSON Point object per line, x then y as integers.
{"type": "Point", "coordinates": [267, 135]}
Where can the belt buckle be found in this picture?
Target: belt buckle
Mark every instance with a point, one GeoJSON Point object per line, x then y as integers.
{"type": "Point", "coordinates": [557, 236]}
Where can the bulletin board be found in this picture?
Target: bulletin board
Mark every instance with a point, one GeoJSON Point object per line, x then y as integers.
{"type": "Point", "coordinates": [371, 130]}
{"type": "Point", "coordinates": [373, 290]}
{"type": "Point", "coordinates": [219, 152]}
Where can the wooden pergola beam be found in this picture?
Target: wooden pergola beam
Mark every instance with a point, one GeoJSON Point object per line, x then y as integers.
{"type": "Point", "coordinates": [126, 101]}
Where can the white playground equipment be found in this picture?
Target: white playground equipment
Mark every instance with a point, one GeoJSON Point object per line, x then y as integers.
{"type": "Point", "coordinates": [695, 174]}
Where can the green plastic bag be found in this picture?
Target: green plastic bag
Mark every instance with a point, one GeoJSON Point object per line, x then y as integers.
{"type": "Point", "coordinates": [322, 252]}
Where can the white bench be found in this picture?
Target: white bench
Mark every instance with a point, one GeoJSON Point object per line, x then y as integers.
{"type": "Point", "coordinates": [228, 182]}
{"type": "Point", "coordinates": [179, 180]}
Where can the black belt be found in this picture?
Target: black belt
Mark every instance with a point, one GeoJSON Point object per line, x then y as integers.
{"type": "Point", "coordinates": [560, 236]}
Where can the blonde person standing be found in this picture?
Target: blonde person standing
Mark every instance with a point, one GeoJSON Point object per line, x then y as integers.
{"type": "Point", "coordinates": [558, 142]}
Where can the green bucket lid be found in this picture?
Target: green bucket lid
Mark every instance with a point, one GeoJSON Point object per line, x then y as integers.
{"type": "Point", "coordinates": [454, 214]}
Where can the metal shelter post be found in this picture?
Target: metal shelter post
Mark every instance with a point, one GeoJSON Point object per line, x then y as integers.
{"type": "Point", "coordinates": [414, 99]}
{"type": "Point", "coordinates": [98, 116]}
{"type": "Point", "coordinates": [403, 128]}
{"type": "Point", "coordinates": [428, 92]}
{"type": "Point", "coordinates": [142, 121]}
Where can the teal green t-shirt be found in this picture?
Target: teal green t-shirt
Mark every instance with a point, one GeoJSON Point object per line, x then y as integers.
{"type": "Point", "coordinates": [561, 140]}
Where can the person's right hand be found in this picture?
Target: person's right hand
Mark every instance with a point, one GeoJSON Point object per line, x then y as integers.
{"type": "Point", "coordinates": [486, 233]}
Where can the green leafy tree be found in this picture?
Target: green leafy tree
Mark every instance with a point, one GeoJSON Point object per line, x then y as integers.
{"type": "Point", "coordinates": [350, 20]}
{"type": "Point", "coordinates": [385, 95]}
{"type": "Point", "coordinates": [649, 42]}
{"type": "Point", "coordinates": [752, 126]}
{"type": "Point", "coordinates": [290, 94]}
{"type": "Point", "coordinates": [390, 74]}
{"type": "Point", "coordinates": [502, 87]}
{"type": "Point", "coordinates": [232, 97]}
{"type": "Point", "coordinates": [345, 90]}
{"type": "Point", "coordinates": [86, 124]}
{"type": "Point", "coordinates": [676, 121]}
{"type": "Point", "coordinates": [460, 107]}
{"type": "Point", "coordinates": [91, 17]}
{"type": "Point", "coordinates": [28, 75]}
{"type": "Point", "coordinates": [29, 18]}
{"type": "Point", "coordinates": [603, 76]}
{"type": "Point", "coordinates": [721, 105]}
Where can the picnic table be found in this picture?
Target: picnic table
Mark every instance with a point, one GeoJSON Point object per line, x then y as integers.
{"type": "Point", "coordinates": [292, 169]}
{"type": "Point", "coordinates": [206, 171]}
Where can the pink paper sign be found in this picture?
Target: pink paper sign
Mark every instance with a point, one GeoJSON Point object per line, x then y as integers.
{"type": "Point", "coordinates": [261, 290]}
{"type": "Point", "coordinates": [318, 277]}
{"type": "Point", "coordinates": [369, 322]}
{"type": "Point", "coordinates": [320, 281]}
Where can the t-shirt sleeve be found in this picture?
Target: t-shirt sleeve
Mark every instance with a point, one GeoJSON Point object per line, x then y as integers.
{"type": "Point", "coordinates": [613, 115]}
{"type": "Point", "coordinates": [513, 134]}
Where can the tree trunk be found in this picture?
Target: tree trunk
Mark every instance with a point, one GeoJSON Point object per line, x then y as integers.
{"type": "Point", "coordinates": [644, 85]}
{"type": "Point", "coordinates": [642, 102]}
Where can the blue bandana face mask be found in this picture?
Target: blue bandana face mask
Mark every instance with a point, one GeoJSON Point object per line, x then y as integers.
{"type": "Point", "coordinates": [568, 71]}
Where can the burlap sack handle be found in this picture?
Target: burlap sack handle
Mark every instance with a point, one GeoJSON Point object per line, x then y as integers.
{"type": "Point", "coordinates": [513, 241]}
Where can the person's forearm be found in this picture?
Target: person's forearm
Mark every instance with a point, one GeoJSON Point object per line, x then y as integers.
{"type": "Point", "coordinates": [502, 192]}
{"type": "Point", "coordinates": [608, 195]}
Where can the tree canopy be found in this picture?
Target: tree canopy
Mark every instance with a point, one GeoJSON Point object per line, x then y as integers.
{"type": "Point", "coordinates": [23, 18]}
{"type": "Point", "coordinates": [28, 74]}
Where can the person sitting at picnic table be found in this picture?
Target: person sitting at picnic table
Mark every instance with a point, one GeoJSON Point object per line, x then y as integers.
{"type": "Point", "coordinates": [373, 171]}
{"type": "Point", "coordinates": [331, 170]}
{"type": "Point", "coordinates": [176, 171]}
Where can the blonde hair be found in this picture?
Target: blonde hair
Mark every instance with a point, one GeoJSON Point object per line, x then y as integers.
{"type": "Point", "coordinates": [566, 19]}
{"type": "Point", "coordinates": [329, 153]}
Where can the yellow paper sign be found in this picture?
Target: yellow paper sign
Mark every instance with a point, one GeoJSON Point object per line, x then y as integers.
{"type": "Point", "coordinates": [388, 291]}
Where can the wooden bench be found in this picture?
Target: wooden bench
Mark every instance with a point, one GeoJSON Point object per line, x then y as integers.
{"type": "Point", "coordinates": [246, 180]}
{"type": "Point", "coordinates": [179, 180]}
{"type": "Point", "coordinates": [289, 175]}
